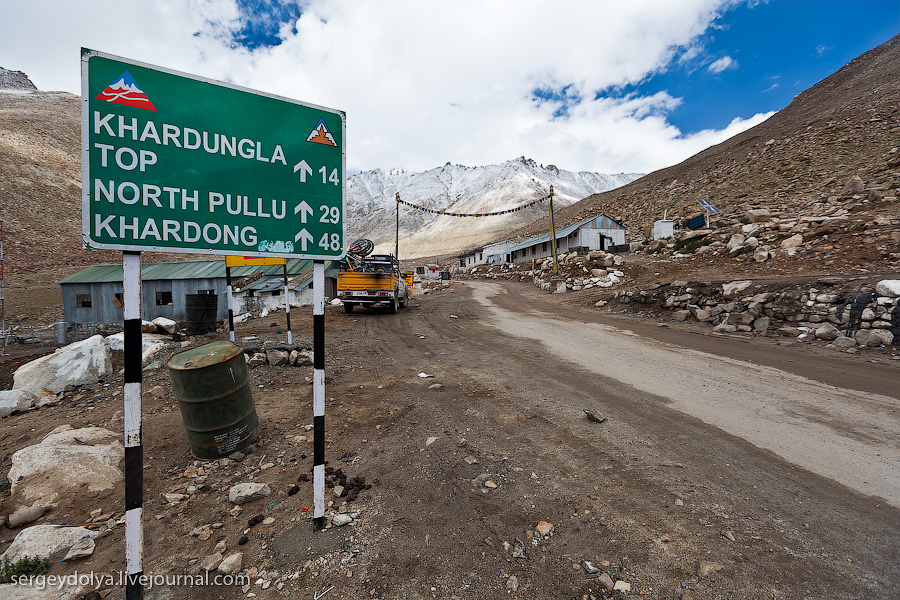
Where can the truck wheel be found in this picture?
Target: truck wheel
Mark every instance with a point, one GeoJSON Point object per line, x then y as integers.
{"type": "Point", "coordinates": [394, 303]}
{"type": "Point", "coordinates": [348, 307]}
{"type": "Point", "coordinates": [405, 302]}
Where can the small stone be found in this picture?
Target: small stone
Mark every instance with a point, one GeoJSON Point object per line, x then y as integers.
{"type": "Point", "coordinates": [435, 386]}
{"type": "Point", "coordinates": [268, 520]}
{"type": "Point", "coordinates": [512, 584]}
{"type": "Point", "coordinates": [606, 582]}
{"type": "Point", "coordinates": [235, 511]}
{"type": "Point", "coordinates": [430, 441]}
{"type": "Point", "coordinates": [707, 567]}
{"type": "Point", "coordinates": [728, 535]}
{"type": "Point", "coordinates": [490, 484]}
{"type": "Point", "coordinates": [221, 546]}
{"type": "Point", "coordinates": [622, 586]}
{"type": "Point", "coordinates": [341, 520]}
{"type": "Point", "coordinates": [544, 528]}
{"type": "Point", "coordinates": [589, 567]}
{"type": "Point", "coordinates": [210, 562]}
{"type": "Point", "coordinates": [174, 498]}
{"type": "Point", "coordinates": [83, 547]}
{"type": "Point", "coordinates": [231, 564]}
{"type": "Point", "coordinates": [244, 539]}
{"type": "Point", "coordinates": [471, 460]}
{"type": "Point", "coordinates": [679, 502]}
{"type": "Point", "coordinates": [247, 492]}
{"type": "Point", "coordinates": [338, 490]}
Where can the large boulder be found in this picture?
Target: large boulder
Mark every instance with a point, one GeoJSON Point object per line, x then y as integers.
{"type": "Point", "coordinates": [888, 287]}
{"type": "Point", "coordinates": [43, 541]}
{"type": "Point", "coordinates": [16, 401]}
{"type": "Point", "coordinates": [733, 290]}
{"type": "Point", "coordinates": [759, 215]}
{"type": "Point", "coordinates": [81, 363]}
{"type": "Point", "coordinates": [166, 325]}
{"type": "Point", "coordinates": [874, 337]}
{"type": "Point", "coordinates": [151, 343]}
{"type": "Point", "coordinates": [67, 462]}
{"type": "Point", "coordinates": [828, 332]}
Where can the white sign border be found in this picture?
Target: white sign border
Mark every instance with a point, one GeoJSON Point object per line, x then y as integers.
{"type": "Point", "coordinates": [87, 242]}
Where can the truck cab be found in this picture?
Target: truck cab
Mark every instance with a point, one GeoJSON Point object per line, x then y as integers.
{"type": "Point", "coordinates": [374, 280]}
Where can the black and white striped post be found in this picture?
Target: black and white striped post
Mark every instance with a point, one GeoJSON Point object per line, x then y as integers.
{"type": "Point", "coordinates": [134, 451]}
{"type": "Point", "coordinates": [318, 394]}
{"type": "Point", "coordinates": [287, 302]}
{"type": "Point", "coordinates": [229, 290]}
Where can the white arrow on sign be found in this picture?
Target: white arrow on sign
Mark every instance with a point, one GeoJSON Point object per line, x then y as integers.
{"type": "Point", "coordinates": [307, 210]}
{"type": "Point", "coordinates": [306, 238]}
{"type": "Point", "coordinates": [304, 169]}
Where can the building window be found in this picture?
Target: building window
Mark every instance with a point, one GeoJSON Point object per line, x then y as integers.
{"type": "Point", "coordinates": [82, 300]}
{"type": "Point", "coordinates": [276, 292]}
{"type": "Point", "coordinates": [420, 270]}
{"type": "Point", "coordinates": [544, 247]}
{"type": "Point", "coordinates": [164, 298]}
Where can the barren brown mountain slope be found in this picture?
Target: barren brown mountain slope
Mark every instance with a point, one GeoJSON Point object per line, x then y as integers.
{"type": "Point", "coordinates": [797, 163]}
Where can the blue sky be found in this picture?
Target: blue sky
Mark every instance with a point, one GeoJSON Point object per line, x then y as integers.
{"type": "Point", "coordinates": [586, 85]}
{"type": "Point", "coordinates": [769, 52]}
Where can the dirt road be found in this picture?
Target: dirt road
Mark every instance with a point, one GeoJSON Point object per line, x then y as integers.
{"type": "Point", "coordinates": [715, 475]}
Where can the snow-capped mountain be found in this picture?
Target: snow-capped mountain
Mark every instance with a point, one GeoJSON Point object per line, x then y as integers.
{"type": "Point", "coordinates": [371, 203]}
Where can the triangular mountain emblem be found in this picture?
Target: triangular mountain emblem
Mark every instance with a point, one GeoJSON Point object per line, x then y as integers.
{"type": "Point", "coordinates": [124, 90]}
{"type": "Point", "coordinates": [321, 135]}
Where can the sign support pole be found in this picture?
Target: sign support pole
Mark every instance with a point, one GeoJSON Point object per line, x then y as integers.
{"type": "Point", "coordinates": [230, 293]}
{"type": "Point", "coordinates": [134, 451]}
{"type": "Point", "coordinates": [319, 394]}
{"type": "Point", "coordinates": [397, 238]}
{"type": "Point", "coordinates": [287, 302]}
{"type": "Point", "coordinates": [553, 236]}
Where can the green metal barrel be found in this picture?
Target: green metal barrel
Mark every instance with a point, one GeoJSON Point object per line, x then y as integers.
{"type": "Point", "coordinates": [213, 392]}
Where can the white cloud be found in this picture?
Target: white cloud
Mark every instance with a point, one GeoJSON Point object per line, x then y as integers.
{"type": "Point", "coordinates": [422, 83]}
{"type": "Point", "coordinates": [724, 63]}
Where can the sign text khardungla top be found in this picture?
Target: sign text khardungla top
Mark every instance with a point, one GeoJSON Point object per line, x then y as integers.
{"type": "Point", "coordinates": [177, 163]}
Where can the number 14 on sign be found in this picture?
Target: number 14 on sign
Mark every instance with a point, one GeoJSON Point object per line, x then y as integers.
{"type": "Point", "coordinates": [305, 170]}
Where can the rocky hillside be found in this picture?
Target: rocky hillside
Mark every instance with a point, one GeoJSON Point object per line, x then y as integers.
{"type": "Point", "coordinates": [827, 167]}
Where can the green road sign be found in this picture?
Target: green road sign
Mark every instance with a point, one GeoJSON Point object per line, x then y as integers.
{"type": "Point", "coordinates": [172, 162]}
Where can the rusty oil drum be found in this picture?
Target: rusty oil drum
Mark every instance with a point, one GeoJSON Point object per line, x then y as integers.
{"type": "Point", "coordinates": [213, 393]}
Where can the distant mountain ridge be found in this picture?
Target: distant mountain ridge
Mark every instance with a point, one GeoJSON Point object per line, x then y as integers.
{"type": "Point", "coordinates": [371, 203]}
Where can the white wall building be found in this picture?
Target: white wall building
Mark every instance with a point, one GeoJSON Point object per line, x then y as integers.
{"type": "Point", "coordinates": [594, 233]}
{"type": "Point", "coordinates": [664, 228]}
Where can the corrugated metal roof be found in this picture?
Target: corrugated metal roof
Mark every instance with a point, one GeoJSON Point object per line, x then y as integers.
{"type": "Point", "coordinates": [560, 233]}
{"type": "Point", "coordinates": [188, 269]}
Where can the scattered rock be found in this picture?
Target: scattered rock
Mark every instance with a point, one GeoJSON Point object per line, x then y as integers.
{"type": "Point", "coordinates": [211, 562]}
{"type": "Point", "coordinates": [606, 582]}
{"type": "Point", "coordinates": [12, 401]}
{"type": "Point", "coordinates": [341, 520]}
{"type": "Point", "coordinates": [622, 586]}
{"type": "Point", "coordinates": [43, 541]}
{"type": "Point", "coordinates": [888, 287]}
{"type": "Point", "coordinates": [512, 584]}
{"type": "Point", "coordinates": [544, 528]}
{"type": "Point", "coordinates": [706, 568]}
{"type": "Point", "coordinates": [732, 290]}
{"type": "Point", "coordinates": [82, 548]}
{"type": "Point", "coordinates": [248, 492]}
{"type": "Point", "coordinates": [231, 564]}
{"type": "Point", "coordinates": [589, 567]}
{"type": "Point", "coordinates": [594, 415]}
{"type": "Point", "coordinates": [81, 363]}
{"type": "Point", "coordinates": [66, 463]}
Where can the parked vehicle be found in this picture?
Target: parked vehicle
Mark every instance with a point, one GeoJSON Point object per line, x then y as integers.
{"type": "Point", "coordinates": [374, 280]}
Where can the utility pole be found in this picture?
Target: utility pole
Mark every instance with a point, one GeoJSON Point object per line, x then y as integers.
{"type": "Point", "coordinates": [553, 236]}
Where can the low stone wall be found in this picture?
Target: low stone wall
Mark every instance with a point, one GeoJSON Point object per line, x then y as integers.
{"type": "Point", "coordinates": [862, 315]}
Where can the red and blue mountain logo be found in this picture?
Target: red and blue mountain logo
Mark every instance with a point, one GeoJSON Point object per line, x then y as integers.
{"type": "Point", "coordinates": [321, 135]}
{"type": "Point", "coordinates": [124, 90]}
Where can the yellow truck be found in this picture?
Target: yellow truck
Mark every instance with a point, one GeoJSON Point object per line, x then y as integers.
{"type": "Point", "coordinates": [375, 280]}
